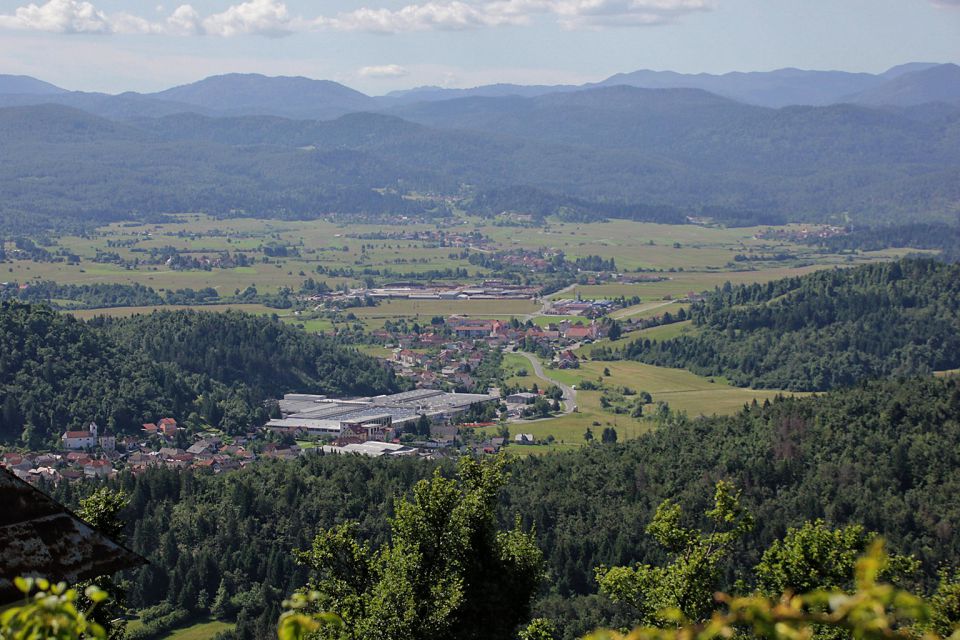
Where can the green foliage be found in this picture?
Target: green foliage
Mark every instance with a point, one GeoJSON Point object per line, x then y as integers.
{"type": "Point", "coordinates": [687, 584]}
{"type": "Point", "coordinates": [102, 508]}
{"type": "Point", "coordinates": [883, 455]}
{"type": "Point", "coordinates": [815, 556]}
{"type": "Point", "coordinates": [945, 604]}
{"type": "Point", "coordinates": [51, 612]}
{"type": "Point", "coordinates": [446, 572]}
{"type": "Point", "coordinates": [264, 354]}
{"type": "Point", "coordinates": [158, 621]}
{"type": "Point", "coordinates": [824, 330]}
{"type": "Point", "coordinates": [538, 629]}
{"type": "Point", "coordinates": [57, 372]}
{"type": "Point", "coordinates": [874, 611]}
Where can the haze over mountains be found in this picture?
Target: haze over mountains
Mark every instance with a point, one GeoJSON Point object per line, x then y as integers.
{"type": "Point", "coordinates": [872, 149]}
{"type": "Point", "coordinates": [298, 97]}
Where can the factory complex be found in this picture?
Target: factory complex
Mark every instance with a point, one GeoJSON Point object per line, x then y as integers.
{"type": "Point", "coordinates": [375, 418]}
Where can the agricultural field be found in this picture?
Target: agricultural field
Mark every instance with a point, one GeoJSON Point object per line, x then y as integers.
{"type": "Point", "coordinates": [703, 254]}
{"type": "Point", "coordinates": [273, 255]}
{"type": "Point", "coordinates": [680, 389]}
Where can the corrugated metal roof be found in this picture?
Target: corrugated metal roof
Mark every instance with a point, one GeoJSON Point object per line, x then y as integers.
{"type": "Point", "coordinates": [40, 537]}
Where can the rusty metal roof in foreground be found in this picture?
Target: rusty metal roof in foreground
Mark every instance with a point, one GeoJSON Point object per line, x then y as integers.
{"type": "Point", "coordinates": [41, 537]}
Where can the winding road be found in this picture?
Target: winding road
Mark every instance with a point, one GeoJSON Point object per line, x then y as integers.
{"type": "Point", "coordinates": [569, 393]}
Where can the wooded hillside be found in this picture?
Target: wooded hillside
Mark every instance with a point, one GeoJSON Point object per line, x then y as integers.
{"type": "Point", "coordinates": [823, 330]}
{"type": "Point", "coordinates": [57, 372]}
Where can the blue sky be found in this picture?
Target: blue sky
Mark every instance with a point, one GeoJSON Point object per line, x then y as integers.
{"type": "Point", "coordinates": [380, 45]}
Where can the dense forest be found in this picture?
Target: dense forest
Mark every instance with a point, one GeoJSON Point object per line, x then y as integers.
{"type": "Point", "coordinates": [884, 455]}
{"type": "Point", "coordinates": [938, 236]}
{"type": "Point", "coordinates": [57, 372]}
{"type": "Point", "coordinates": [820, 331]}
{"type": "Point", "coordinates": [641, 154]}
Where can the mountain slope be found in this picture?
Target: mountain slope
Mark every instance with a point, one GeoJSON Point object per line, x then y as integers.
{"type": "Point", "coordinates": [937, 84]}
{"type": "Point", "coordinates": [779, 88]}
{"type": "Point", "coordinates": [25, 84]}
{"type": "Point", "coordinates": [255, 94]}
{"type": "Point", "coordinates": [626, 149]}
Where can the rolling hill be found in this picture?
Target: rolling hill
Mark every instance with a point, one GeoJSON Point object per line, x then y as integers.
{"type": "Point", "coordinates": [26, 85]}
{"type": "Point", "coordinates": [936, 84]}
{"type": "Point", "coordinates": [255, 94]}
{"type": "Point", "coordinates": [628, 151]}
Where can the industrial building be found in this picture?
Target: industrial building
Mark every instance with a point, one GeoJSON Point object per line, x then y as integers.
{"type": "Point", "coordinates": [370, 418]}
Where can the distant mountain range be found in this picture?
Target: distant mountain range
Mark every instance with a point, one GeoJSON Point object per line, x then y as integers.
{"type": "Point", "coordinates": [303, 98]}
{"type": "Point", "coordinates": [882, 148]}
{"type": "Point", "coordinates": [648, 154]}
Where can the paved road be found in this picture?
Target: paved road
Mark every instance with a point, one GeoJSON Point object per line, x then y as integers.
{"type": "Point", "coordinates": [569, 394]}
{"type": "Point", "coordinates": [645, 308]}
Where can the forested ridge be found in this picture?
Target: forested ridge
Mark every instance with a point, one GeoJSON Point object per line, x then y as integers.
{"type": "Point", "coordinates": [57, 372]}
{"type": "Point", "coordinates": [885, 455]}
{"type": "Point", "coordinates": [939, 236]}
{"type": "Point", "coordinates": [237, 348]}
{"type": "Point", "coordinates": [602, 152]}
{"type": "Point", "coordinates": [820, 331]}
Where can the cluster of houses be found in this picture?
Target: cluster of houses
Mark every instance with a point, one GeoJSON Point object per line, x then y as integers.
{"type": "Point", "coordinates": [437, 237]}
{"type": "Point", "coordinates": [449, 366]}
{"type": "Point", "coordinates": [441, 358]}
{"type": "Point", "coordinates": [579, 307]}
{"type": "Point", "coordinates": [54, 467]}
{"type": "Point", "coordinates": [95, 453]}
{"type": "Point", "coordinates": [801, 234]}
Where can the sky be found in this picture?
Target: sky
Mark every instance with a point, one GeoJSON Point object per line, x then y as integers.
{"type": "Point", "coordinates": [377, 46]}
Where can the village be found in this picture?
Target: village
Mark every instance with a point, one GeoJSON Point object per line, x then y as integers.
{"type": "Point", "coordinates": [424, 422]}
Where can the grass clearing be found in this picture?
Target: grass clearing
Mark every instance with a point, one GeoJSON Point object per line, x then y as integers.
{"type": "Point", "coordinates": [203, 630]}
{"type": "Point", "coordinates": [681, 389]}
{"type": "Point", "coordinates": [513, 363]}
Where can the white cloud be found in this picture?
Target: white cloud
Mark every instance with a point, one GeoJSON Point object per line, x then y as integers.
{"type": "Point", "coordinates": [383, 71]}
{"type": "Point", "coordinates": [448, 16]}
{"type": "Point", "coordinates": [946, 3]}
{"type": "Point", "coordinates": [63, 16]}
{"type": "Point", "coordinates": [260, 17]}
{"type": "Point", "coordinates": [271, 18]}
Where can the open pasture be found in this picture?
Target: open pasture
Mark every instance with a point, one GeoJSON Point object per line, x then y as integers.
{"type": "Point", "coordinates": [682, 390]}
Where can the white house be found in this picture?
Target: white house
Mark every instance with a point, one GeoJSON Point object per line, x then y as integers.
{"type": "Point", "coordinates": [81, 439]}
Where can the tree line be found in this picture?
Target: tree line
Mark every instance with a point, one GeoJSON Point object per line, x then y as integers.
{"type": "Point", "coordinates": [823, 330]}
{"type": "Point", "coordinates": [883, 456]}
{"type": "Point", "coordinates": [58, 373]}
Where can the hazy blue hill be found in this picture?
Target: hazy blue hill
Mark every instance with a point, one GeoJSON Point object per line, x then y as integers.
{"type": "Point", "coordinates": [698, 127]}
{"type": "Point", "coordinates": [352, 130]}
{"type": "Point", "coordinates": [610, 152]}
{"type": "Point", "coordinates": [25, 84]}
{"type": "Point", "coordinates": [603, 117]}
{"type": "Point", "coordinates": [778, 88]}
{"type": "Point", "coordinates": [51, 123]}
{"type": "Point", "coordinates": [937, 84]}
{"type": "Point", "coordinates": [119, 107]}
{"type": "Point", "coordinates": [430, 94]}
{"type": "Point", "coordinates": [294, 97]}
